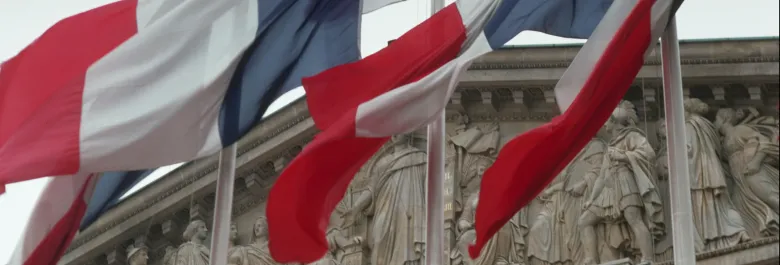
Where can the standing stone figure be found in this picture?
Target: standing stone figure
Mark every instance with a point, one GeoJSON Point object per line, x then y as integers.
{"type": "Point", "coordinates": [506, 247]}
{"type": "Point", "coordinates": [396, 200]}
{"type": "Point", "coordinates": [663, 248]}
{"type": "Point", "coordinates": [193, 252]}
{"type": "Point", "coordinates": [170, 256]}
{"type": "Point", "coordinates": [717, 223]}
{"type": "Point", "coordinates": [554, 236]}
{"type": "Point", "coordinates": [235, 252]}
{"type": "Point", "coordinates": [752, 155]}
{"type": "Point", "coordinates": [625, 190]}
{"type": "Point", "coordinates": [137, 256]}
{"type": "Point", "coordinates": [256, 253]}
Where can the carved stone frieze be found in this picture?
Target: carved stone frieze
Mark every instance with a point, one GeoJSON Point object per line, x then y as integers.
{"type": "Point", "coordinates": [503, 94]}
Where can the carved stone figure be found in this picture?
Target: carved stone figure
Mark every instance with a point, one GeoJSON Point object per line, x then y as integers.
{"type": "Point", "coordinates": [751, 150]}
{"type": "Point", "coordinates": [137, 256]}
{"type": "Point", "coordinates": [395, 199]}
{"type": "Point", "coordinates": [507, 246]}
{"type": "Point", "coordinates": [256, 253]}
{"type": "Point", "coordinates": [336, 239]}
{"type": "Point", "coordinates": [554, 236]}
{"type": "Point", "coordinates": [170, 256]}
{"type": "Point", "coordinates": [717, 223]}
{"type": "Point", "coordinates": [193, 252]}
{"type": "Point", "coordinates": [474, 148]}
{"type": "Point", "coordinates": [664, 246]}
{"type": "Point", "coordinates": [625, 190]}
{"type": "Point", "coordinates": [235, 251]}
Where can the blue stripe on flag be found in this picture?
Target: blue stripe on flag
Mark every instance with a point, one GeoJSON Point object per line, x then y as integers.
{"type": "Point", "coordinates": [295, 39]}
{"type": "Point", "coordinates": [563, 18]}
{"type": "Point", "coordinates": [109, 188]}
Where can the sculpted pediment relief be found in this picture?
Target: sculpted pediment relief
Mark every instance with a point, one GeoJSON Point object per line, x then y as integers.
{"type": "Point", "coordinates": [498, 103]}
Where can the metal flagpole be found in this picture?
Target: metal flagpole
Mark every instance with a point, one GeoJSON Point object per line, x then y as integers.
{"type": "Point", "coordinates": [223, 205]}
{"type": "Point", "coordinates": [434, 240]}
{"type": "Point", "coordinates": [679, 179]}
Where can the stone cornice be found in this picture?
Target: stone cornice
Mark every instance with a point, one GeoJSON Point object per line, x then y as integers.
{"type": "Point", "coordinates": [770, 242]}
{"type": "Point", "coordinates": [648, 62]}
{"type": "Point", "coordinates": [292, 125]}
{"type": "Point", "coordinates": [281, 122]}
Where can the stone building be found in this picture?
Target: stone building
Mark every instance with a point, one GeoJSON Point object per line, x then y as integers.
{"type": "Point", "coordinates": [732, 86]}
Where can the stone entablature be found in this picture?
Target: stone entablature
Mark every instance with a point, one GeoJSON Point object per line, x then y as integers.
{"type": "Point", "coordinates": [512, 86]}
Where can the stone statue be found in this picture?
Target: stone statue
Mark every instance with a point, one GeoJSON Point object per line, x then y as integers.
{"type": "Point", "coordinates": [554, 236]}
{"type": "Point", "coordinates": [170, 256]}
{"type": "Point", "coordinates": [474, 148]}
{"type": "Point", "coordinates": [752, 153]}
{"type": "Point", "coordinates": [717, 223]}
{"type": "Point", "coordinates": [395, 198]}
{"type": "Point", "coordinates": [664, 246]}
{"type": "Point", "coordinates": [137, 255]}
{"type": "Point", "coordinates": [235, 251]}
{"type": "Point", "coordinates": [193, 252]}
{"type": "Point", "coordinates": [256, 253]}
{"type": "Point", "coordinates": [507, 246]}
{"type": "Point", "coordinates": [625, 190]}
{"type": "Point", "coordinates": [336, 239]}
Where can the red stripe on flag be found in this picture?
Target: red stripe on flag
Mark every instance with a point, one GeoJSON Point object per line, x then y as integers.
{"type": "Point", "coordinates": [308, 190]}
{"type": "Point", "coordinates": [527, 163]}
{"type": "Point", "coordinates": [53, 246]}
{"type": "Point", "coordinates": [41, 91]}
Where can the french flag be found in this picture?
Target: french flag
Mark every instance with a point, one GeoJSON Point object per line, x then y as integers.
{"type": "Point", "coordinates": [587, 94]}
{"type": "Point", "coordinates": [139, 84]}
{"type": "Point", "coordinates": [399, 89]}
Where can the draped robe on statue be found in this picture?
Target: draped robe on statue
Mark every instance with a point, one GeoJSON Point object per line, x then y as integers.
{"type": "Point", "coordinates": [554, 236]}
{"type": "Point", "coordinates": [718, 224]}
{"type": "Point", "coordinates": [629, 184]}
{"type": "Point", "coordinates": [741, 146]}
{"type": "Point", "coordinates": [506, 246]}
{"type": "Point", "coordinates": [397, 229]}
{"type": "Point", "coordinates": [191, 253]}
{"type": "Point", "coordinates": [257, 253]}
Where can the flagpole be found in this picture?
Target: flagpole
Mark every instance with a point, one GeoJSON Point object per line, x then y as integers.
{"type": "Point", "coordinates": [223, 206]}
{"type": "Point", "coordinates": [679, 178]}
{"type": "Point", "coordinates": [434, 240]}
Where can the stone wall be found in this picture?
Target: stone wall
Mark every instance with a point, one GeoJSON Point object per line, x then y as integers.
{"type": "Point", "coordinates": [506, 93]}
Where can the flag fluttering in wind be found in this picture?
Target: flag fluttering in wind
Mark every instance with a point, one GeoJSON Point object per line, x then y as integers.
{"type": "Point", "coordinates": [54, 220]}
{"type": "Point", "coordinates": [587, 93]}
{"type": "Point", "coordinates": [135, 85]}
{"type": "Point", "coordinates": [399, 89]}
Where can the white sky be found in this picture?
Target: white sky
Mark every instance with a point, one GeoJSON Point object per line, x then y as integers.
{"type": "Point", "coordinates": [21, 21]}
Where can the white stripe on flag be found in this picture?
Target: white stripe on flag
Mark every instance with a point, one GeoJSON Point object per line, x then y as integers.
{"type": "Point", "coordinates": [583, 64]}
{"type": "Point", "coordinates": [173, 74]}
{"type": "Point", "coordinates": [55, 202]}
{"type": "Point", "coordinates": [416, 104]}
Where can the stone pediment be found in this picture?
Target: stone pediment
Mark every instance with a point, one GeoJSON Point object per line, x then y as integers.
{"type": "Point", "coordinates": [511, 86]}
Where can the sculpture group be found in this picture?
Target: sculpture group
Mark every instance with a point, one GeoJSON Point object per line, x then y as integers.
{"type": "Point", "coordinates": [610, 202]}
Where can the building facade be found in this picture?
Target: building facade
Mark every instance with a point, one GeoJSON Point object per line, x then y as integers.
{"type": "Point", "coordinates": [731, 89]}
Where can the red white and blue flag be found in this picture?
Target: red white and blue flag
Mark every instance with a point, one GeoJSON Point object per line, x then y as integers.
{"type": "Point", "coordinates": [359, 106]}
{"type": "Point", "coordinates": [139, 84]}
{"type": "Point", "coordinates": [399, 89]}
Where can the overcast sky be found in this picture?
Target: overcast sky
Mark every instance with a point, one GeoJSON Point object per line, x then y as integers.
{"type": "Point", "coordinates": [21, 21]}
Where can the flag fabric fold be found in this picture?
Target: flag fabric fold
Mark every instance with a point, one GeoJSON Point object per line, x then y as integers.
{"type": "Point", "coordinates": [134, 85]}
{"type": "Point", "coordinates": [399, 89]}
{"type": "Point", "coordinates": [587, 93]}
{"type": "Point", "coordinates": [109, 188]}
{"type": "Point", "coordinates": [54, 220]}
{"type": "Point", "coordinates": [137, 85]}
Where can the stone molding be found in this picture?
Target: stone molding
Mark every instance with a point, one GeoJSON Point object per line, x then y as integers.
{"type": "Point", "coordinates": [283, 133]}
